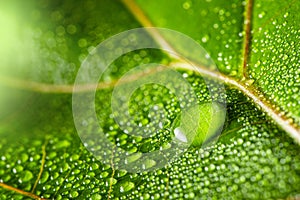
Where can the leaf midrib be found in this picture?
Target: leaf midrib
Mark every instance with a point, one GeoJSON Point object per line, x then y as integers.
{"type": "Point", "coordinates": [242, 84]}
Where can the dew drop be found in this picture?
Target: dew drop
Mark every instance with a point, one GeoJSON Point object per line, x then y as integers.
{"type": "Point", "coordinates": [112, 181]}
{"type": "Point", "coordinates": [71, 29]}
{"type": "Point", "coordinates": [104, 174]}
{"type": "Point", "coordinates": [84, 123]}
{"type": "Point", "coordinates": [96, 196]}
{"type": "Point", "coordinates": [186, 5]}
{"type": "Point", "coordinates": [82, 43]}
{"type": "Point", "coordinates": [134, 157]}
{"type": "Point", "coordinates": [148, 164]}
{"type": "Point", "coordinates": [60, 30]}
{"type": "Point", "coordinates": [126, 186]}
{"type": "Point", "coordinates": [205, 38]}
{"type": "Point", "coordinates": [73, 194]}
{"type": "Point", "coordinates": [212, 167]}
{"type": "Point", "coordinates": [63, 144]}
{"type": "Point", "coordinates": [27, 176]}
{"type": "Point", "coordinates": [249, 82]}
{"type": "Point", "coordinates": [206, 183]}
{"type": "Point", "coordinates": [24, 157]}
{"type": "Point", "coordinates": [261, 15]}
{"type": "Point", "coordinates": [44, 177]}
{"type": "Point", "coordinates": [240, 141]}
{"type": "Point", "coordinates": [216, 26]}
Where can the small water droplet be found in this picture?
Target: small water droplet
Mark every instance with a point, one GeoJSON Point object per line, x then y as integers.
{"type": "Point", "coordinates": [185, 75]}
{"type": "Point", "coordinates": [186, 5]}
{"type": "Point", "coordinates": [133, 157]}
{"type": "Point", "coordinates": [249, 82]}
{"type": "Point", "coordinates": [24, 157]}
{"type": "Point", "coordinates": [104, 174]}
{"type": "Point", "coordinates": [82, 42]}
{"type": "Point", "coordinates": [62, 144]}
{"type": "Point", "coordinates": [73, 194]}
{"type": "Point", "coordinates": [148, 164]}
{"type": "Point", "coordinates": [240, 141]}
{"type": "Point", "coordinates": [261, 15]}
{"type": "Point", "coordinates": [212, 167]}
{"type": "Point", "coordinates": [126, 186]}
{"type": "Point", "coordinates": [206, 183]}
{"type": "Point", "coordinates": [27, 176]}
{"type": "Point", "coordinates": [84, 123]}
{"type": "Point", "coordinates": [207, 56]}
{"type": "Point", "coordinates": [71, 29]}
{"type": "Point", "coordinates": [205, 38]}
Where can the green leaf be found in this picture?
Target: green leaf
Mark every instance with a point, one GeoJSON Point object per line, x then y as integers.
{"type": "Point", "coordinates": [256, 155]}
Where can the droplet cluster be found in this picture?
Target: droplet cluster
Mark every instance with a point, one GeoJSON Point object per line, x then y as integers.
{"type": "Point", "coordinates": [214, 24]}
{"type": "Point", "coordinates": [275, 51]}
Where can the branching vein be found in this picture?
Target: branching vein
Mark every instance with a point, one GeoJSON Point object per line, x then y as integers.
{"type": "Point", "coordinates": [22, 192]}
{"type": "Point", "coordinates": [112, 175]}
{"type": "Point", "coordinates": [292, 129]}
{"type": "Point", "coordinates": [41, 168]}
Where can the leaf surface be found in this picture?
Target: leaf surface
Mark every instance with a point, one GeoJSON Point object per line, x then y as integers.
{"type": "Point", "coordinates": [42, 154]}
